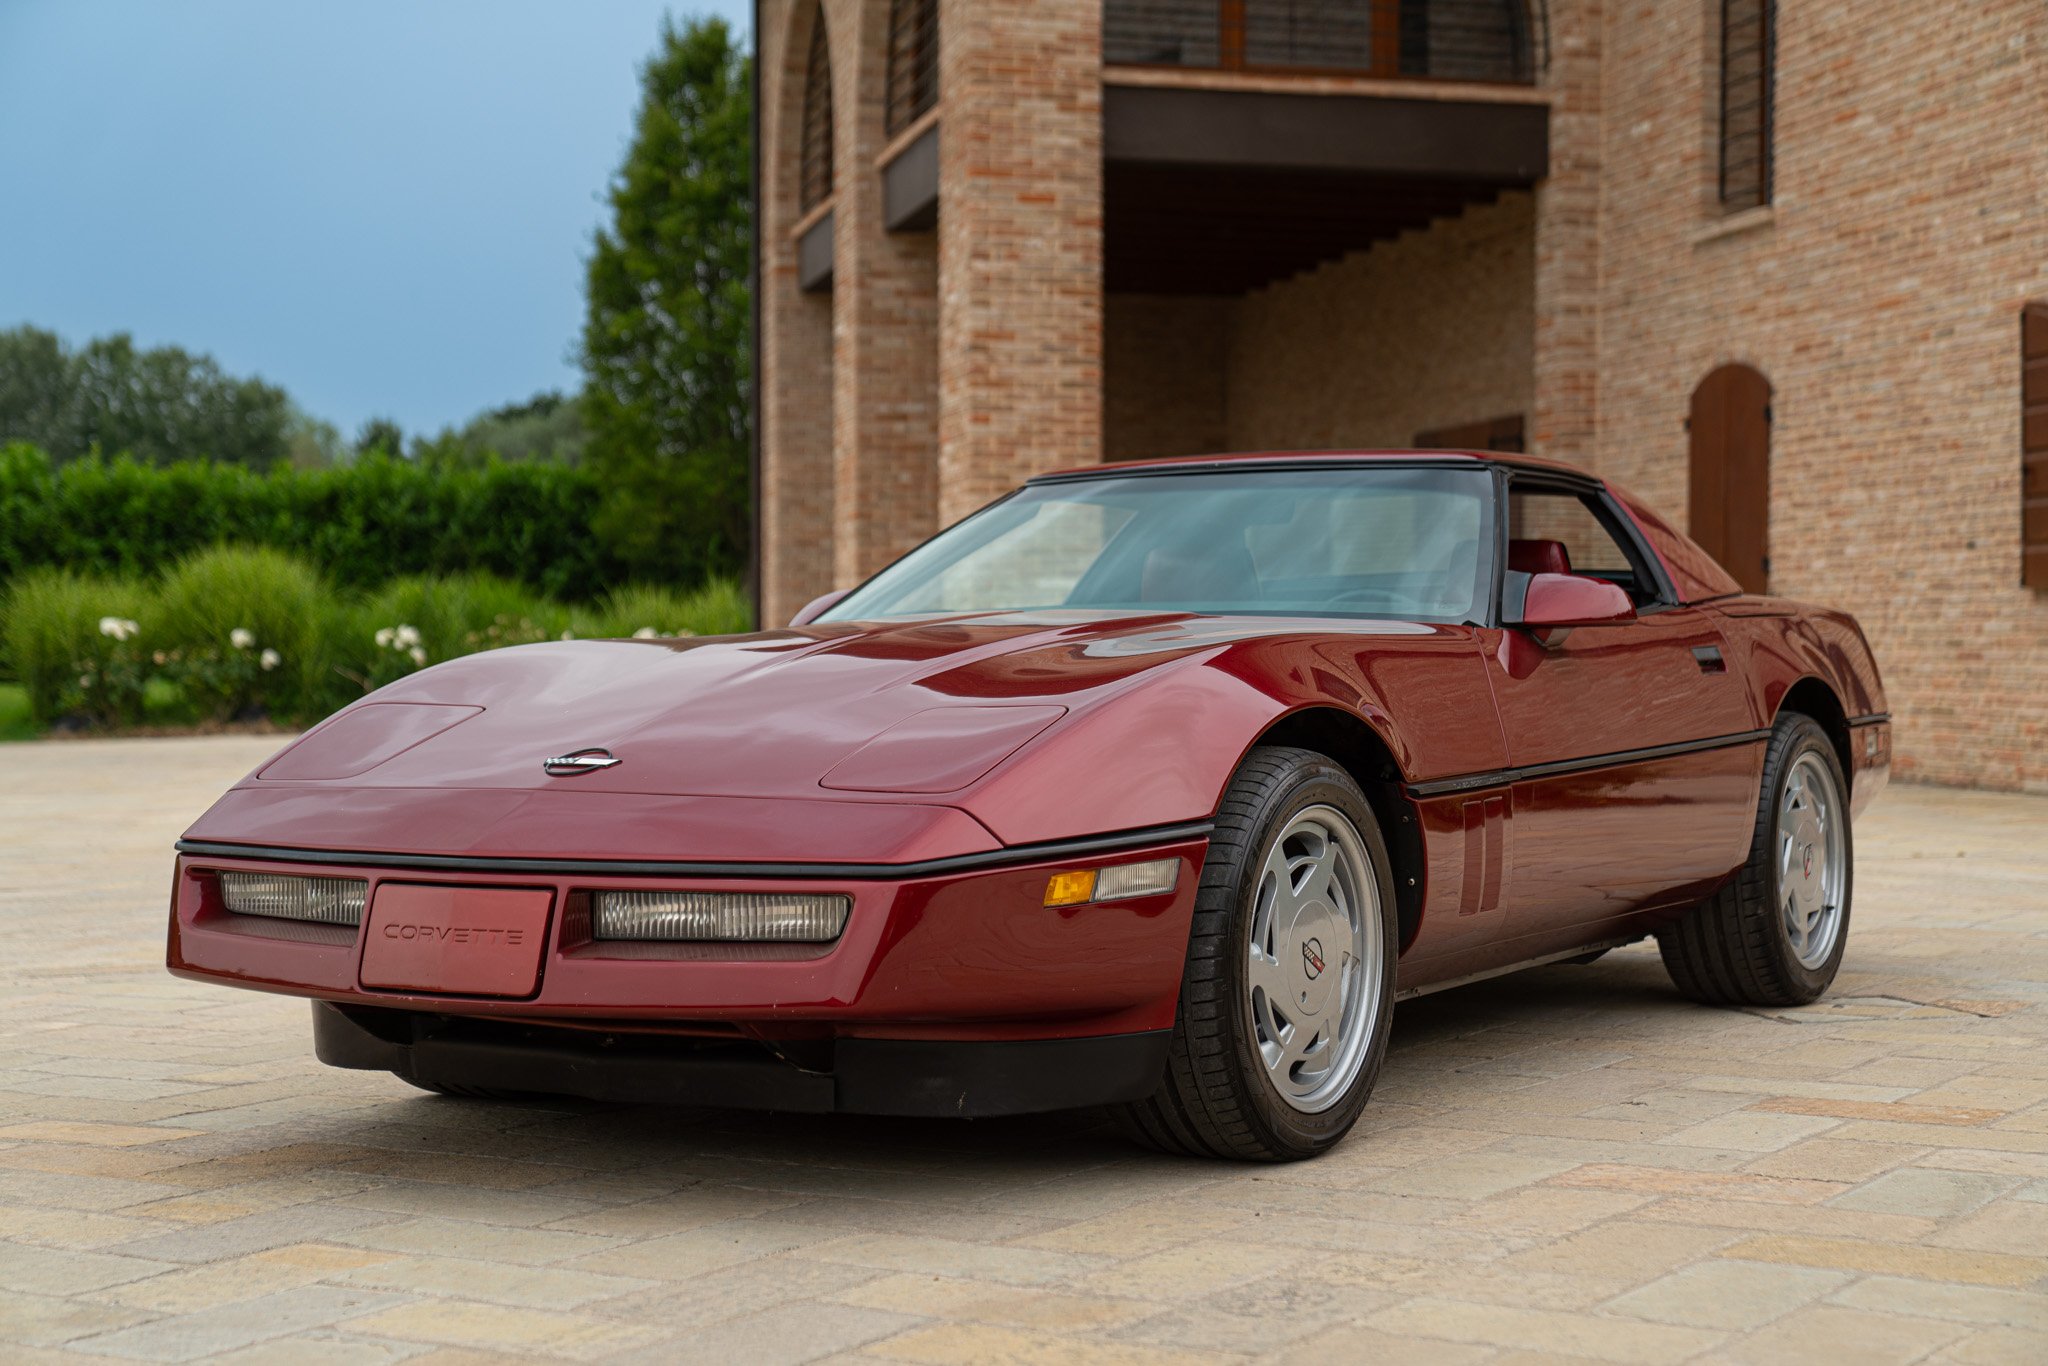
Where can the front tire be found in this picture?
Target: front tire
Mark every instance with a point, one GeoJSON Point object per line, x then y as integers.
{"type": "Point", "coordinates": [1288, 995]}
{"type": "Point", "coordinates": [1774, 936]}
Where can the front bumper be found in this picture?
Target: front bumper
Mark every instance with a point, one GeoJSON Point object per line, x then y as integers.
{"type": "Point", "coordinates": [869, 1076]}
{"type": "Point", "coordinates": [959, 956]}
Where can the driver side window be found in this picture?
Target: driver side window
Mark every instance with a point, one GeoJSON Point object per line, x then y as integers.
{"type": "Point", "coordinates": [1556, 531]}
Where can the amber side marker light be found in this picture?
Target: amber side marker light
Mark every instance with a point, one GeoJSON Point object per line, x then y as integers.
{"type": "Point", "coordinates": [1117, 883]}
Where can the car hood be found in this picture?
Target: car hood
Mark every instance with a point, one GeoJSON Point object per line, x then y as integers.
{"type": "Point", "coordinates": [926, 707]}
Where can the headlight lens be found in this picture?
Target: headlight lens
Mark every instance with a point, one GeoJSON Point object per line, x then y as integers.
{"type": "Point", "coordinates": [745, 917]}
{"type": "Point", "coordinates": [323, 900]}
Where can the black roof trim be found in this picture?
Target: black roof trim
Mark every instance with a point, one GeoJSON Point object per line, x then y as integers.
{"type": "Point", "coordinates": [1477, 460]}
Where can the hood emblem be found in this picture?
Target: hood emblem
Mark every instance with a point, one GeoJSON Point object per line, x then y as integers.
{"type": "Point", "coordinates": [578, 761]}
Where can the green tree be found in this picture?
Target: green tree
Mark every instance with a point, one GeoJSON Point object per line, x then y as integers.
{"type": "Point", "coordinates": [313, 443]}
{"type": "Point", "coordinates": [381, 434]}
{"type": "Point", "coordinates": [547, 426]}
{"type": "Point", "coordinates": [158, 404]}
{"type": "Point", "coordinates": [665, 346]}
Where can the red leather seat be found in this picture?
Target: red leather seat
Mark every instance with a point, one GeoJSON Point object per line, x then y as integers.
{"type": "Point", "coordinates": [1538, 557]}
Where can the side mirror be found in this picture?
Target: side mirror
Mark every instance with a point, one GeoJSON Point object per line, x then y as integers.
{"type": "Point", "coordinates": [815, 608]}
{"type": "Point", "coordinates": [1555, 603]}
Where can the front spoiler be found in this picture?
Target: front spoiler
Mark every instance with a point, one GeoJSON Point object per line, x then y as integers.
{"type": "Point", "coordinates": [913, 1077]}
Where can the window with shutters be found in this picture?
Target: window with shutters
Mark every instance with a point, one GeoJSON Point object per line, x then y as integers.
{"type": "Point", "coordinates": [913, 61]}
{"type": "Point", "coordinates": [816, 181]}
{"type": "Point", "coordinates": [2034, 446]}
{"type": "Point", "coordinates": [1749, 50]}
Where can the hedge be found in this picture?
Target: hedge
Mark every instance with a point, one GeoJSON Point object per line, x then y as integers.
{"type": "Point", "coordinates": [360, 524]}
{"type": "Point", "coordinates": [240, 631]}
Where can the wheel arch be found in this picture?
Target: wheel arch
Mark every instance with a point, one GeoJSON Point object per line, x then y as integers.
{"type": "Point", "coordinates": [1813, 697]}
{"type": "Point", "coordinates": [1369, 759]}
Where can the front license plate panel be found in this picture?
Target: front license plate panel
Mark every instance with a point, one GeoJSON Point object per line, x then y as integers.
{"type": "Point", "coordinates": [456, 941]}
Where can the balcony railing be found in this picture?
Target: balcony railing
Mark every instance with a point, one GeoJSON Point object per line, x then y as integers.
{"type": "Point", "coordinates": [1457, 40]}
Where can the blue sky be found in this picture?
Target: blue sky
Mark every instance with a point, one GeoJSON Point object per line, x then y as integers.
{"type": "Point", "coordinates": [383, 206]}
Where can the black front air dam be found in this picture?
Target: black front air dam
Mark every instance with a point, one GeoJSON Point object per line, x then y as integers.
{"type": "Point", "coordinates": [868, 1076]}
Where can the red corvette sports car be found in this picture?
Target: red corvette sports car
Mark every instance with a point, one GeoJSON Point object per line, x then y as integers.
{"type": "Point", "coordinates": [1152, 786]}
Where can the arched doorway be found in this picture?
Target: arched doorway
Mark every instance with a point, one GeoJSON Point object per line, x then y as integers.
{"type": "Point", "coordinates": [1729, 507]}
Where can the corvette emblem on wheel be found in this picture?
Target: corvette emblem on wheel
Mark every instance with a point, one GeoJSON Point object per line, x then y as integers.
{"type": "Point", "coordinates": [1312, 957]}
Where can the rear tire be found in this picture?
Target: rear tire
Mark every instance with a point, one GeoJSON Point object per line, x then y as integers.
{"type": "Point", "coordinates": [1775, 934]}
{"type": "Point", "coordinates": [1288, 995]}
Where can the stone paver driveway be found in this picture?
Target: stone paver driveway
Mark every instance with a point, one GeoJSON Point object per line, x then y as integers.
{"type": "Point", "coordinates": [1570, 1164]}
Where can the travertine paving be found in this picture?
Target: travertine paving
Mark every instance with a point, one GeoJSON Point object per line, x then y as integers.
{"type": "Point", "coordinates": [1570, 1164]}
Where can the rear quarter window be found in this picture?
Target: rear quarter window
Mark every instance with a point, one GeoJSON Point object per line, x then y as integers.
{"type": "Point", "coordinates": [1694, 573]}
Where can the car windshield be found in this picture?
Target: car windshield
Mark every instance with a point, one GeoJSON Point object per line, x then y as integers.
{"type": "Point", "coordinates": [1411, 543]}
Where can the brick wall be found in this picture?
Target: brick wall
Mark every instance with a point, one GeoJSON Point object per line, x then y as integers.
{"type": "Point", "coordinates": [1569, 215]}
{"type": "Point", "coordinates": [796, 493]}
{"type": "Point", "coordinates": [1020, 243]}
{"type": "Point", "coordinates": [886, 355]}
{"type": "Point", "coordinates": [1432, 329]}
{"type": "Point", "coordinates": [1880, 294]}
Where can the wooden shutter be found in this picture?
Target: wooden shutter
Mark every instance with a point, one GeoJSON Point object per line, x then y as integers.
{"type": "Point", "coordinates": [816, 179]}
{"type": "Point", "coordinates": [2034, 446]}
{"type": "Point", "coordinates": [913, 61]}
{"type": "Point", "coordinates": [1729, 506]}
{"type": "Point", "coordinates": [1749, 52]}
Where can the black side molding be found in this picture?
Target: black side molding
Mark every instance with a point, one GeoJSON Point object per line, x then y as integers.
{"type": "Point", "coordinates": [1501, 777]}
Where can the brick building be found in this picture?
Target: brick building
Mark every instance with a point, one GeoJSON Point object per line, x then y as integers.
{"type": "Point", "coordinates": [1781, 270]}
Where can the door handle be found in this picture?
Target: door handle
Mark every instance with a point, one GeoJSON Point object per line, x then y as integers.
{"type": "Point", "coordinates": [1708, 657]}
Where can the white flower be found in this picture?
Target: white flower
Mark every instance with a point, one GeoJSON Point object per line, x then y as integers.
{"type": "Point", "coordinates": [419, 656]}
{"type": "Point", "coordinates": [241, 637]}
{"type": "Point", "coordinates": [384, 638]}
{"type": "Point", "coordinates": [645, 633]}
{"type": "Point", "coordinates": [405, 637]}
{"type": "Point", "coordinates": [269, 659]}
{"type": "Point", "coordinates": [85, 680]}
{"type": "Point", "coordinates": [120, 628]}
{"type": "Point", "coordinates": [568, 635]}
{"type": "Point", "coordinates": [160, 657]}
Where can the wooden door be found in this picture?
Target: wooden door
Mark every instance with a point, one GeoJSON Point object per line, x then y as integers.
{"type": "Point", "coordinates": [1730, 504]}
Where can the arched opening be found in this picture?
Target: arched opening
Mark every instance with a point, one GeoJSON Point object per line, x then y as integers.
{"type": "Point", "coordinates": [815, 178]}
{"type": "Point", "coordinates": [913, 82]}
{"type": "Point", "coordinates": [1729, 506]}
